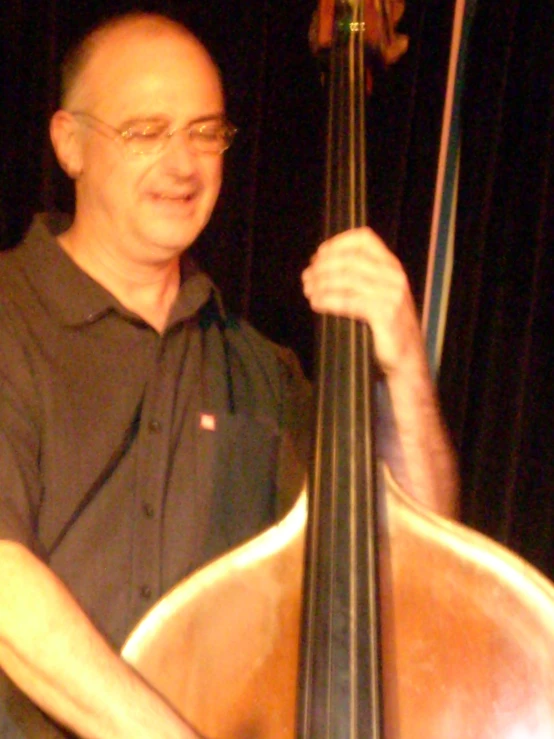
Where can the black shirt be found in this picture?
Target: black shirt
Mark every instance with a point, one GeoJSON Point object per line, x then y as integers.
{"type": "Point", "coordinates": [130, 458]}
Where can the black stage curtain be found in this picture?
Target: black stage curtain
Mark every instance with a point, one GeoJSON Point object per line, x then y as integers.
{"type": "Point", "coordinates": [494, 382]}
{"type": "Point", "coordinates": [268, 220]}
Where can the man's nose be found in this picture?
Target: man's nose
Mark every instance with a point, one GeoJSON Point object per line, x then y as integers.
{"type": "Point", "coordinates": [180, 150]}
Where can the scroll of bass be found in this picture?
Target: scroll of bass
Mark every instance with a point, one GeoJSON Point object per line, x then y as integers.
{"type": "Point", "coordinates": [361, 614]}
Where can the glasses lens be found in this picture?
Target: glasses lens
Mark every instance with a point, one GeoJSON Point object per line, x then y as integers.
{"type": "Point", "coordinates": [151, 136]}
{"type": "Point", "coordinates": [146, 137]}
{"type": "Point", "coordinates": [212, 137]}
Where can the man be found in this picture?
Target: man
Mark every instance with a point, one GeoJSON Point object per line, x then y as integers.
{"type": "Point", "coordinates": [142, 431]}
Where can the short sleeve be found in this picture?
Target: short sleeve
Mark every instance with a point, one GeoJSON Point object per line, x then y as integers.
{"type": "Point", "coordinates": [20, 487]}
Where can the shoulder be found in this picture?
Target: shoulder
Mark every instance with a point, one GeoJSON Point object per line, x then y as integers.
{"type": "Point", "coordinates": [11, 272]}
{"type": "Point", "coordinates": [25, 325]}
{"type": "Point", "coordinates": [34, 253]}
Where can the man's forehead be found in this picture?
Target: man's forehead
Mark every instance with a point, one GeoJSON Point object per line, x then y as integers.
{"type": "Point", "coordinates": [123, 40]}
{"type": "Point", "coordinates": [147, 51]}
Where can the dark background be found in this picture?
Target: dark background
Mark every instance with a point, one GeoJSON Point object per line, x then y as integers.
{"type": "Point", "coordinates": [495, 381]}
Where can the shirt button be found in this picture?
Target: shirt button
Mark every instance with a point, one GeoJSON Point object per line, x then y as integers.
{"type": "Point", "coordinates": [145, 592]}
{"type": "Point", "coordinates": [154, 426]}
{"type": "Point", "coordinates": [148, 510]}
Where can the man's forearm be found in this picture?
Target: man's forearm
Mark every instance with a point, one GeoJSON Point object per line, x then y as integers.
{"type": "Point", "coordinates": [414, 441]}
{"type": "Point", "coordinates": [49, 648]}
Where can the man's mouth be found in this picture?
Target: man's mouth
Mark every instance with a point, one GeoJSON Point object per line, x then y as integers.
{"type": "Point", "coordinates": [175, 197]}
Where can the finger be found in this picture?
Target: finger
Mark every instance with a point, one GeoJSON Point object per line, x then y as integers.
{"type": "Point", "coordinates": [360, 242]}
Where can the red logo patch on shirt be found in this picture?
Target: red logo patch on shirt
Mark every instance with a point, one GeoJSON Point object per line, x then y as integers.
{"type": "Point", "coordinates": [207, 422]}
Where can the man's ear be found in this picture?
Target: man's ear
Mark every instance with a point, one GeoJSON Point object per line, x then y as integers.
{"type": "Point", "coordinates": [67, 143]}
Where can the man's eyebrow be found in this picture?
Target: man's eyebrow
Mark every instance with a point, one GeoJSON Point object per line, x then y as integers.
{"type": "Point", "coordinates": [162, 118]}
{"type": "Point", "coordinates": [144, 119]}
{"type": "Point", "coordinates": [213, 117]}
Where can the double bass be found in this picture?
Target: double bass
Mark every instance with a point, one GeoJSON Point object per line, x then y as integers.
{"type": "Point", "coordinates": [361, 614]}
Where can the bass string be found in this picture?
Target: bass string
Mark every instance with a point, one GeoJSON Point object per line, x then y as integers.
{"type": "Point", "coordinates": [344, 349]}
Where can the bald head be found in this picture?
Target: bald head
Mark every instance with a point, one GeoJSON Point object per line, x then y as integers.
{"type": "Point", "coordinates": [77, 73]}
{"type": "Point", "coordinates": [131, 76]}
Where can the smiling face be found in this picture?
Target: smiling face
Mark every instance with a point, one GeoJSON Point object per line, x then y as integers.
{"type": "Point", "coordinates": [152, 206]}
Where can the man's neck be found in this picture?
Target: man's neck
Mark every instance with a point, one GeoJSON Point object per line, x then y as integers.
{"type": "Point", "coordinates": [147, 289]}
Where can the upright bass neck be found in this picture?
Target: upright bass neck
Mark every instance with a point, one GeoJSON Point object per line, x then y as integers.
{"type": "Point", "coordinates": [340, 673]}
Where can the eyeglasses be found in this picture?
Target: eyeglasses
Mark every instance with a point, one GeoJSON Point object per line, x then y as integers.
{"type": "Point", "coordinates": [145, 137]}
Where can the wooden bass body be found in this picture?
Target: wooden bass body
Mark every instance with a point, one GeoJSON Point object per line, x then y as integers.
{"type": "Point", "coordinates": [464, 644]}
{"type": "Point", "coordinates": [467, 634]}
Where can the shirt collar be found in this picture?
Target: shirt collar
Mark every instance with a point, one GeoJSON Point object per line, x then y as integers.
{"type": "Point", "coordinates": [76, 298]}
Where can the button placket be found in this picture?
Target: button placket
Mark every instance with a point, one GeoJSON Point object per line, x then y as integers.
{"type": "Point", "coordinates": [151, 480]}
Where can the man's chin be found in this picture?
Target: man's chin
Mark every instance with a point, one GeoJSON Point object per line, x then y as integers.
{"type": "Point", "coordinates": [175, 237]}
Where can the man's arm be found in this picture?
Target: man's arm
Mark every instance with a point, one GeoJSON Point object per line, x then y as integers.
{"type": "Point", "coordinates": [354, 274]}
{"type": "Point", "coordinates": [49, 648]}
